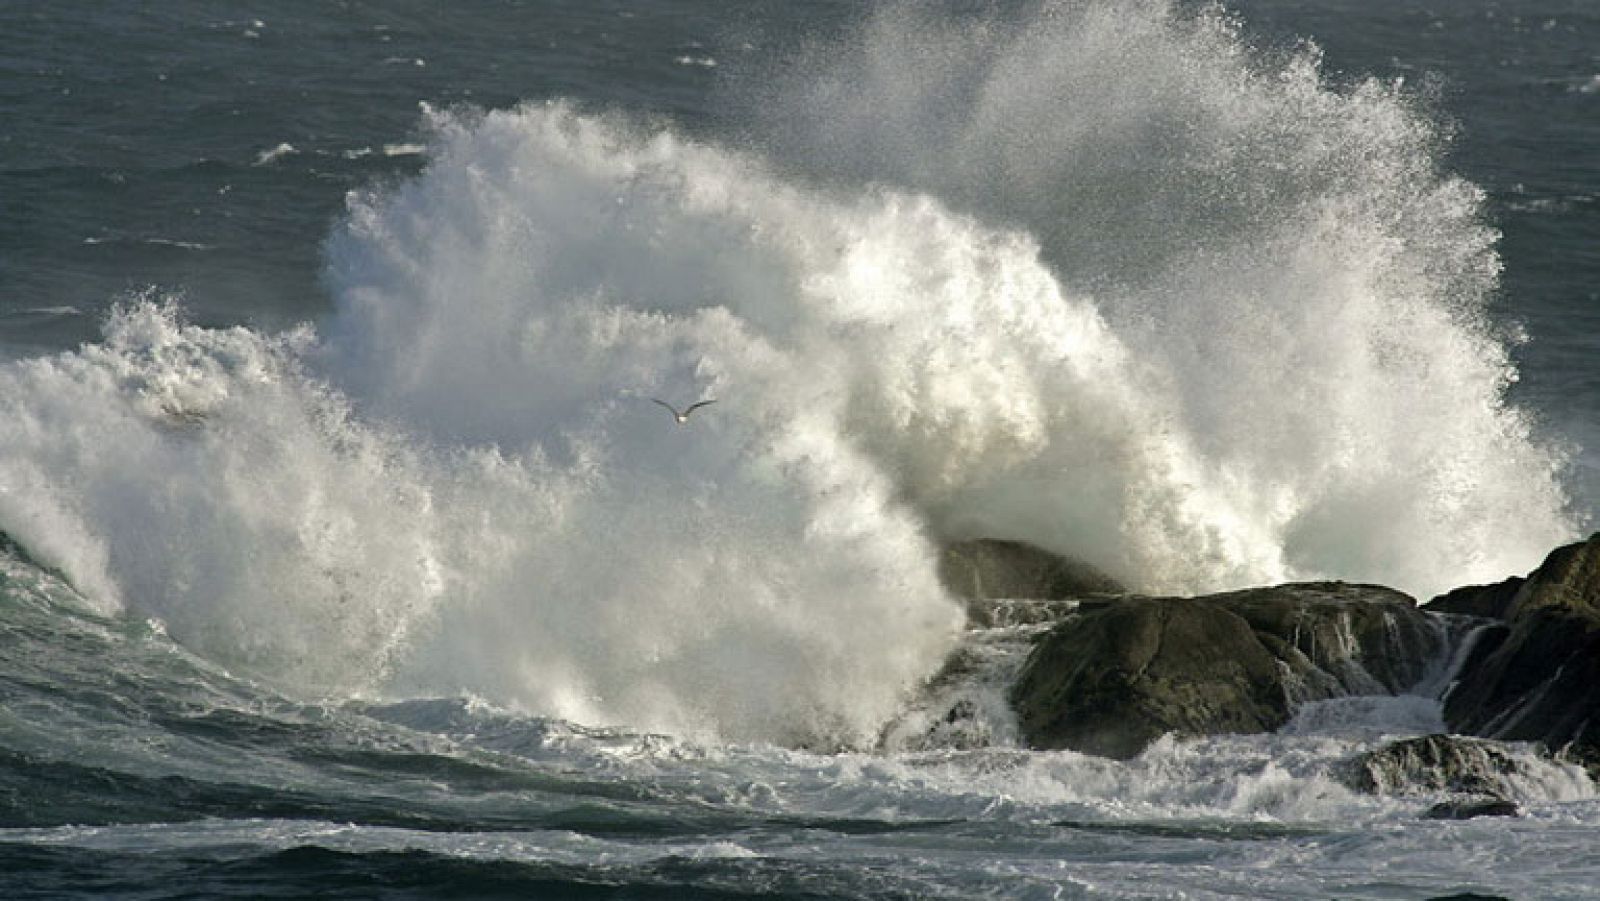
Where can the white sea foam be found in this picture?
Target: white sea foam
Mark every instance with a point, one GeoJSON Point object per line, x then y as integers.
{"type": "Point", "coordinates": [273, 154]}
{"type": "Point", "coordinates": [690, 580]}
{"type": "Point", "coordinates": [172, 242]}
{"type": "Point", "coordinates": [150, 242]}
{"type": "Point", "coordinates": [1284, 261]}
{"type": "Point", "coordinates": [1107, 283]}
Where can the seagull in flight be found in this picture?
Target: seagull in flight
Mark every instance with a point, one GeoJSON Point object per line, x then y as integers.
{"type": "Point", "coordinates": [683, 417]}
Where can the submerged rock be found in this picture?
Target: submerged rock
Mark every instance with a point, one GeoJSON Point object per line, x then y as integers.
{"type": "Point", "coordinates": [1534, 678]}
{"type": "Point", "coordinates": [1127, 670]}
{"type": "Point", "coordinates": [1472, 808]}
{"type": "Point", "coordinates": [1010, 582]}
{"type": "Point", "coordinates": [1435, 763]}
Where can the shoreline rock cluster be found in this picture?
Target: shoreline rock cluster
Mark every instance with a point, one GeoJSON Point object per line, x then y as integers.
{"type": "Point", "coordinates": [1124, 672]}
{"type": "Point", "coordinates": [1532, 675]}
{"type": "Point", "coordinates": [1115, 671]}
{"type": "Point", "coordinates": [1477, 774]}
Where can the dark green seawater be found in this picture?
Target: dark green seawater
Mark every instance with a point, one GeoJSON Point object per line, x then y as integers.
{"type": "Point", "coordinates": [136, 157]}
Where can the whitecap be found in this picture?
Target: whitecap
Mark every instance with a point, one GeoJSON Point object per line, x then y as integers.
{"type": "Point", "coordinates": [273, 154]}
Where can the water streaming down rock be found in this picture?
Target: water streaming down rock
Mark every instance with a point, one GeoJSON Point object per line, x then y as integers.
{"type": "Point", "coordinates": [1125, 671]}
{"type": "Point", "coordinates": [1530, 676]}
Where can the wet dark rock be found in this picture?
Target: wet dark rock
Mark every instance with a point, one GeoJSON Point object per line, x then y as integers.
{"type": "Point", "coordinates": [1370, 639]}
{"type": "Point", "coordinates": [1112, 680]}
{"type": "Point", "coordinates": [1126, 670]}
{"type": "Point", "coordinates": [1534, 679]}
{"type": "Point", "coordinates": [1472, 808]}
{"type": "Point", "coordinates": [1435, 763]}
{"type": "Point", "coordinates": [1010, 582]}
{"type": "Point", "coordinates": [1487, 601]}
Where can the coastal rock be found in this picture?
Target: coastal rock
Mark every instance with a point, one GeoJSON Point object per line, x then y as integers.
{"type": "Point", "coordinates": [1010, 582]}
{"type": "Point", "coordinates": [1114, 679]}
{"type": "Point", "coordinates": [1369, 639]}
{"type": "Point", "coordinates": [1484, 601]}
{"type": "Point", "coordinates": [1124, 671]}
{"type": "Point", "coordinates": [1533, 678]}
{"type": "Point", "coordinates": [1472, 808]}
{"type": "Point", "coordinates": [1435, 763]}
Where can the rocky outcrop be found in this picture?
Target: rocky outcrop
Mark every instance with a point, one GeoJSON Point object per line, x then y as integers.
{"type": "Point", "coordinates": [1435, 763]}
{"type": "Point", "coordinates": [1010, 582]}
{"type": "Point", "coordinates": [1477, 773]}
{"type": "Point", "coordinates": [1484, 601]}
{"type": "Point", "coordinates": [1533, 677]}
{"type": "Point", "coordinates": [1369, 639]}
{"type": "Point", "coordinates": [1472, 808]}
{"type": "Point", "coordinates": [1114, 679]}
{"type": "Point", "coordinates": [1127, 670]}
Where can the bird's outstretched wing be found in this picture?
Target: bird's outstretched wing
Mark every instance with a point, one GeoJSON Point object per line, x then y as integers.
{"type": "Point", "coordinates": [670, 408]}
{"type": "Point", "coordinates": [695, 406]}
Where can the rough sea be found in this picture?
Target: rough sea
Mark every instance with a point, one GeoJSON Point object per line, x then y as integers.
{"type": "Point", "coordinates": [346, 554]}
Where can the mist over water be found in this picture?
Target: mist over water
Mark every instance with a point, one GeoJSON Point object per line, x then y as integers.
{"type": "Point", "coordinates": [1098, 277]}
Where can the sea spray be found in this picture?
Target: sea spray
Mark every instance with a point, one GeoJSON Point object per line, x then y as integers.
{"type": "Point", "coordinates": [1282, 254]}
{"type": "Point", "coordinates": [199, 476]}
{"type": "Point", "coordinates": [203, 477]}
{"type": "Point", "coordinates": [556, 267]}
{"type": "Point", "coordinates": [1111, 283]}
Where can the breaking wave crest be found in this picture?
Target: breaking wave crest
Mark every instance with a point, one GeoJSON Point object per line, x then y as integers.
{"type": "Point", "coordinates": [1103, 280]}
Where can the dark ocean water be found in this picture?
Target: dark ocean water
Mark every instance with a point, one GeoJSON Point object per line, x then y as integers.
{"type": "Point", "coordinates": [136, 157]}
{"type": "Point", "coordinates": [422, 598]}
